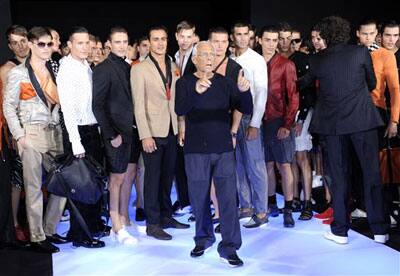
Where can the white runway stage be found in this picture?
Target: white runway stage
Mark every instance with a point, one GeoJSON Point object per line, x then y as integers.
{"type": "Point", "coordinates": [269, 250]}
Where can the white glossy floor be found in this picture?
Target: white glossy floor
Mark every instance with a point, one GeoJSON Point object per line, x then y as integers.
{"type": "Point", "coordinates": [269, 250]}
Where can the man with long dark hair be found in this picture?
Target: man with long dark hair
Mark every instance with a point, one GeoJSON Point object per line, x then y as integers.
{"type": "Point", "coordinates": [345, 116]}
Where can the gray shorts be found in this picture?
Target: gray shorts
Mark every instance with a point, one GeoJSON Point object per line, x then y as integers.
{"type": "Point", "coordinates": [276, 150]}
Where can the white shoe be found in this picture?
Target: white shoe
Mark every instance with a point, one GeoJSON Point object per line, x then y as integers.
{"type": "Point", "coordinates": [393, 222]}
{"type": "Point", "coordinates": [317, 181]}
{"type": "Point", "coordinates": [338, 239]}
{"type": "Point", "coordinates": [123, 237]}
{"type": "Point", "coordinates": [357, 213]}
{"type": "Point", "coordinates": [381, 238]}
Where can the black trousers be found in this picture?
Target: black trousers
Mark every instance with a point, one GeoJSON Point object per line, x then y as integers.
{"type": "Point", "coordinates": [158, 177]}
{"type": "Point", "coordinates": [92, 143]}
{"type": "Point", "coordinates": [7, 233]}
{"type": "Point", "coordinates": [181, 178]}
{"type": "Point", "coordinates": [200, 169]}
{"type": "Point", "coordinates": [366, 148]}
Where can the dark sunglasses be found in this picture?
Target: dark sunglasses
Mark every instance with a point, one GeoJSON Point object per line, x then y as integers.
{"type": "Point", "coordinates": [297, 40]}
{"type": "Point", "coordinates": [42, 44]}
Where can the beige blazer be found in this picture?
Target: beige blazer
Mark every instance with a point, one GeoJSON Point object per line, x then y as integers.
{"type": "Point", "coordinates": [153, 111]}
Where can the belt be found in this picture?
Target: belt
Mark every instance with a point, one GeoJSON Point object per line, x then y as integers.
{"type": "Point", "coordinates": [42, 126]}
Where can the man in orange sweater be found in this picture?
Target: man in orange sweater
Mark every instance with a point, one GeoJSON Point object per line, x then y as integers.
{"type": "Point", "coordinates": [385, 68]}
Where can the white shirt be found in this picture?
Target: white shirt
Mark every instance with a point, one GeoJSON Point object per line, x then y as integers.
{"type": "Point", "coordinates": [255, 71]}
{"type": "Point", "coordinates": [185, 59]}
{"type": "Point", "coordinates": [74, 85]}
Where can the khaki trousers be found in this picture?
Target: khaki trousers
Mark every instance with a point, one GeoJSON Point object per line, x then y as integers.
{"type": "Point", "coordinates": [40, 139]}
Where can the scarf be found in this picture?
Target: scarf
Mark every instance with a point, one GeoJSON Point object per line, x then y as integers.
{"type": "Point", "coordinates": [48, 86]}
{"type": "Point", "coordinates": [373, 47]}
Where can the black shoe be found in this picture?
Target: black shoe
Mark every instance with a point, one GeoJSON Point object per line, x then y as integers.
{"type": "Point", "coordinates": [173, 223]}
{"type": "Point", "coordinates": [255, 222]}
{"type": "Point", "coordinates": [288, 220]}
{"type": "Point", "coordinates": [198, 251]}
{"type": "Point", "coordinates": [44, 247]}
{"type": "Point", "coordinates": [233, 260]}
{"type": "Point", "coordinates": [57, 239]}
{"type": "Point", "coordinates": [157, 232]}
{"type": "Point", "coordinates": [140, 215]}
{"type": "Point", "coordinates": [273, 210]}
{"type": "Point", "coordinates": [296, 205]}
{"type": "Point", "coordinates": [102, 231]}
{"type": "Point", "coordinates": [89, 244]}
{"type": "Point", "coordinates": [218, 229]}
{"type": "Point", "coordinates": [245, 214]}
{"type": "Point", "coordinates": [191, 218]}
{"type": "Point", "coordinates": [306, 213]}
{"type": "Point", "coordinates": [176, 206]}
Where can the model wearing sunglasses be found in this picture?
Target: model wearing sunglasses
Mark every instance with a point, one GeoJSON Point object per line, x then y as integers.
{"type": "Point", "coordinates": [43, 44]}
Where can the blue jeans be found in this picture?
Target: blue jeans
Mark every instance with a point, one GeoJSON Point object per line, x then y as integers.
{"type": "Point", "coordinates": [251, 172]}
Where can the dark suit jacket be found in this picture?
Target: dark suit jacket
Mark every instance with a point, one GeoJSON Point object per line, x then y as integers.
{"type": "Point", "coordinates": [112, 98]}
{"type": "Point", "coordinates": [232, 70]}
{"type": "Point", "coordinates": [346, 77]}
{"type": "Point", "coordinates": [189, 68]}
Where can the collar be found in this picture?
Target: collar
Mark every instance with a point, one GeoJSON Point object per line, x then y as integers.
{"type": "Point", "coordinates": [373, 47]}
{"type": "Point", "coordinates": [77, 62]}
{"type": "Point", "coordinates": [116, 58]}
{"type": "Point", "coordinates": [188, 52]}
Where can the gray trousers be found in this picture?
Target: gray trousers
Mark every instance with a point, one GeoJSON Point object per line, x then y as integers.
{"type": "Point", "coordinates": [40, 139]}
{"type": "Point", "coordinates": [251, 171]}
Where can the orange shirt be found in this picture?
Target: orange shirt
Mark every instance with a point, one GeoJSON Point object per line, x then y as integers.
{"type": "Point", "coordinates": [385, 68]}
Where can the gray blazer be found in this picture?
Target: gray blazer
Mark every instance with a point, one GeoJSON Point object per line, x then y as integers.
{"type": "Point", "coordinates": [19, 111]}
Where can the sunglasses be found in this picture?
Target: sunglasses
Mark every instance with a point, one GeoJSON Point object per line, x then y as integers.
{"type": "Point", "coordinates": [297, 40]}
{"type": "Point", "coordinates": [42, 44]}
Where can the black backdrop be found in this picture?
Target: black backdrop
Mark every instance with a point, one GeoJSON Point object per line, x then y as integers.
{"type": "Point", "coordinates": [98, 16]}
{"type": "Point", "coordinates": [304, 14]}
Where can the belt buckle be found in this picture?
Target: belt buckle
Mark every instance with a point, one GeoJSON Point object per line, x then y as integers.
{"type": "Point", "coordinates": [50, 127]}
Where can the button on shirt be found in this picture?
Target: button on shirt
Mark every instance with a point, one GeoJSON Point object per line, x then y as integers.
{"type": "Point", "coordinates": [74, 83]}
{"type": "Point", "coordinates": [255, 71]}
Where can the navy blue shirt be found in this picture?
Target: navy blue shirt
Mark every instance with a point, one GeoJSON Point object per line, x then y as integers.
{"type": "Point", "coordinates": [207, 115]}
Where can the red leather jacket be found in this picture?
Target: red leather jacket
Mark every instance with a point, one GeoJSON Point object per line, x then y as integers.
{"type": "Point", "coordinates": [283, 96]}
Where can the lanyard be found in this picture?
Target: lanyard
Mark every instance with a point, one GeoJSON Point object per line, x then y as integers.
{"type": "Point", "coordinates": [166, 79]}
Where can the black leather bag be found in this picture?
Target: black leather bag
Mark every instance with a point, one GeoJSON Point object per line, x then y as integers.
{"type": "Point", "coordinates": [80, 179]}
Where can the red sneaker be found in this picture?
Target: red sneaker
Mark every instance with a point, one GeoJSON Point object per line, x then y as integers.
{"type": "Point", "coordinates": [19, 234]}
{"type": "Point", "coordinates": [328, 213]}
{"type": "Point", "coordinates": [328, 221]}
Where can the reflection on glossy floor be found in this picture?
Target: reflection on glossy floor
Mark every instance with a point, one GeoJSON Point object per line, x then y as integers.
{"type": "Point", "coordinates": [269, 250]}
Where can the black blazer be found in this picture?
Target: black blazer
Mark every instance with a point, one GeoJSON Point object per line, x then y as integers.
{"type": "Point", "coordinates": [344, 104]}
{"type": "Point", "coordinates": [232, 70]}
{"type": "Point", "coordinates": [189, 68]}
{"type": "Point", "coordinates": [112, 98]}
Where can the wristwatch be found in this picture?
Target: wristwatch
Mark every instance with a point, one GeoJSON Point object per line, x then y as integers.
{"type": "Point", "coordinates": [234, 134]}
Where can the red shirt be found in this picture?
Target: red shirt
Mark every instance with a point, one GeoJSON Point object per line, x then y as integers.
{"type": "Point", "coordinates": [283, 96]}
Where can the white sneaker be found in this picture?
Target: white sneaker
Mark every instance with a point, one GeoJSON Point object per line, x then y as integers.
{"type": "Point", "coordinates": [338, 239]}
{"type": "Point", "coordinates": [381, 238]}
{"type": "Point", "coordinates": [123, 237]}
{"type": "Point", "coordinates": [357, 213]}
{"type": "Point", "coordinates": [317, 181]}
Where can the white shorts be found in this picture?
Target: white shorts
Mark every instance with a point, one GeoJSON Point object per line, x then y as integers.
{"type": "Point", "coordinates": [304, 141]}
